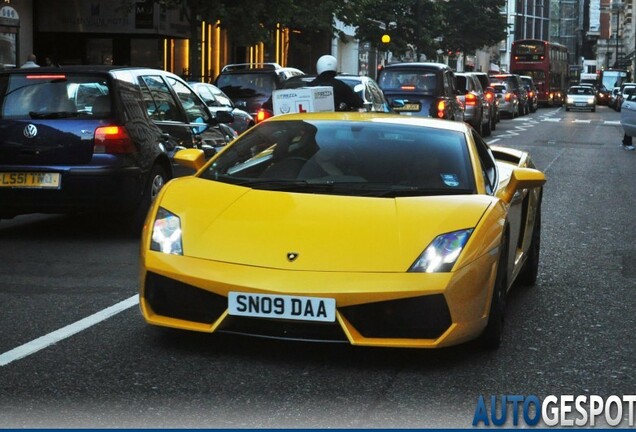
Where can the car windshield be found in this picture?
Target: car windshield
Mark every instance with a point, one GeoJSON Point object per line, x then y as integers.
{"type": "Point", "coordinates": [34, 95]}
{"type": "Point", "coordinates": [246, 85]}
{"type": "Point", "coordinates": [347, 158]}
{"type": "Point", "coordinates": [412, 79]}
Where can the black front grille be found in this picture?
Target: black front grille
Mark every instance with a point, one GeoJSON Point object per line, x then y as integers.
{"type": "Point", "coordinates": [284, 329]}
{"type": "Point", "coordinates": [425, 317]}
{"type": "Point", "coordinates": [174, 299]}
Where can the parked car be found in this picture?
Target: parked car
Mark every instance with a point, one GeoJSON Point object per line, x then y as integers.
{"type": "Point", "coordinates": [625, 90]}
{"type": "Point", "coordinates": [613, 98]}
{"type": "Point", "coordinates": [533, 93]}
{"type": "Point", "coordinates": [490, 96]}
{"type": "Point", "coordinates": [216, 101]}
{"type": "Point", "coordinates": [422, 89]}
{"type": "Point", "coordinates": [366, 87]}
{"type": "Point", "coordinates": [580, 97]}
{"type": "Point", "coordinates": [508, 100]}
{"type": "Point", "coordinates": [514, 84]}
{"type": "Point", "coordinates": [95, 138]}
{"type": "Point", "coordinates": [371, 229]}
{"type": "Point", "coordinates": [476, 107]}
{"type": "Point", "coordinates": [250, 86]}
{"type": "Point", "coordinates": [628, 114]}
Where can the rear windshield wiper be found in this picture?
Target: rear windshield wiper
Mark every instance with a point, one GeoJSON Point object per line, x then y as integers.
{"type": "Point", "coordinates": [53, 115]}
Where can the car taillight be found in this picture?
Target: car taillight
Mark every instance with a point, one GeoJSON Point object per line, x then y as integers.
{"type": "Point", "coordinates": [441, 109]}
{"type": "Point", "coordinates": [471, 99]}
{"type": "Point", "coordinates": [531, 94]}
{"type": "Point", "coordinates": [489, 97]}
{"type": "Point", "coordinates": [262, 114]}
{"type": "Point", "coordinates": [113, 140]}
{"type": "Point", "coordinates": [508, 97]}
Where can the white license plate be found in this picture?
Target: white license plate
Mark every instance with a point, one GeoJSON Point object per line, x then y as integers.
{"type": "Point", "coordinates": [282, 307]}
{"type": "Point", "coordinates": [37, 180]}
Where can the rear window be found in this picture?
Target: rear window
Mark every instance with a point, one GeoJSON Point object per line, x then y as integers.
{"type": "Point", "coordinates": [581, 90]}
{"type": "Point", "coordinates": [54, 96]}
{"type": "Point", "coordinates": [410, 79]}
{"type": "Point", "coordinates": [246, 85]}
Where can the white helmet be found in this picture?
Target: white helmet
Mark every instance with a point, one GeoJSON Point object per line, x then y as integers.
{"type": "Point", "coordinates": [326, 63]}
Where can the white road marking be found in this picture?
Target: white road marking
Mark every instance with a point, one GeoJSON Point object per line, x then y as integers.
{"type": "Point", "coordinates": [581, 121]}
{"type": "Point", "coordinates": [612, 122]}
{"type": "Point", "coordinates": [66, 332]}
{"type": "Point", "coordinates": [556, 120]}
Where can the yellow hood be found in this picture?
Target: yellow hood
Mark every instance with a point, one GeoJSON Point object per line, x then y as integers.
{"type": "Point", "coordinates": [239, 225]}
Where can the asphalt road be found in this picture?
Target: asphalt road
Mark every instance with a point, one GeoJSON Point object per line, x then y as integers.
{"type": "Point", "coordinates": [572, 333]}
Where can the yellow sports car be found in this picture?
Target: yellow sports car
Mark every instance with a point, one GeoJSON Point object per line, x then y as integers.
{"type": "Point", "coordinates": [367, 228]}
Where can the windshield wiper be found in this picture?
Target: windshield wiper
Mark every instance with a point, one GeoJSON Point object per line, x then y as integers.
{"type": "Point", "coordinates": [405, 191]}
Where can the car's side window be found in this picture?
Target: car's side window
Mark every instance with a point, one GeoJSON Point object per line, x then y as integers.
{"type": "Point", "coordinates": [488, 164]}
{"type": "Point", "coordinates": [195, 109]}
{"type": "Point", "coordinates": [158, 99]}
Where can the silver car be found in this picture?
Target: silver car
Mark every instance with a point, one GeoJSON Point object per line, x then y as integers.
{"type": "Point", "coordinates": [508, 100]}
{"type": "Point", "coordinates": [580, 97]}
{"type": "Point", "coordinates": [476, 107]}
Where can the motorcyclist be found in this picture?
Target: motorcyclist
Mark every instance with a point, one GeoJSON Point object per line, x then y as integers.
{"type": "Point", "coordinates": [345, 99]}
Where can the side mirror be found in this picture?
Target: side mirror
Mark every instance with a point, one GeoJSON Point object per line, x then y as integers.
{"type": "Point", "coordinates": [522, 178]}
{"type": "Point", "coordinates": [190, 158]}
{"type": "Point", "coordinates": [241, 105]}
{"type": "Point", "coordinates": [224, 116]}
{"type": "Point", "coordinates": [397, 103]}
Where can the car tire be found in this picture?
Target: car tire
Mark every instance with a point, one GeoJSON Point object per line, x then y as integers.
{"type": "Point", "coordinates": [530, 270]}
{"type": "Point", "coordinates": [486, 128]}
{"type": "Point", "coordinates": [157, 178]}
{"type": "Point", "coordinates": [492, 335]}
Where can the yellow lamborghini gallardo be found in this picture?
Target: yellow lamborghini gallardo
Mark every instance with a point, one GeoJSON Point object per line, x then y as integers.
{"type": "Point", "coordinates": [366, 228]}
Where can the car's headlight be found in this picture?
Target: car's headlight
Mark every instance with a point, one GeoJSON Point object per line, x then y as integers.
{"type": "Point", "coordinates": [441, 254]}
{"type": "Point", "coordinates": [166, 233]}
{"type": "Point", "coordinates": [590, 100]}
{"type": "Point", "coordinates": [570, 100]}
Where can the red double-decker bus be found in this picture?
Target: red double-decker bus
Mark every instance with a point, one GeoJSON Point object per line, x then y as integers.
{"type": "Point", "coordinates": [546, 63]}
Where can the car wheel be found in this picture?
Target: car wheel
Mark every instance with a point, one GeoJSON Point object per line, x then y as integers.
{"type": "Point", "coordinates": [155, 181]}
{"type": "Point", "coordinates": [528, 273]}
{"type": "Point", "coordinates": [486, 129]}
{"type": "Point", "coordinates": [492, 336]}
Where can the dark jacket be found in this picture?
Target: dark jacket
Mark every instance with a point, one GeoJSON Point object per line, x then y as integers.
{"type": "Point", "coordinates": [344, 98]}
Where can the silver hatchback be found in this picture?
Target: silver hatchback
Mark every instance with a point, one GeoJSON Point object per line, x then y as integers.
{"type": "Point", "coordinates": [508, 100]}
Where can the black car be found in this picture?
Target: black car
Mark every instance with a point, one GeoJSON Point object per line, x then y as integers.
{"type": "Point", "coordinates": [250, 87]}
{"type": "Point", "coordinates": [95, 138]}
{"type": "Point", "coordinates": [533, 94]}
{"type": "Point", "coordinates": [423, 89]}
{"type": "Point", "coordinates": [216, 100]}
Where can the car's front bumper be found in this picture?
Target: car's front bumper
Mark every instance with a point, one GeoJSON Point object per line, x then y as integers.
{"type": "Point", "coordinates": [416, 310]}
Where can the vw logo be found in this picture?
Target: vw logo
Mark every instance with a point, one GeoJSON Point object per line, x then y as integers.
{"type": "Point", "coordinates": [30, 131]}
{"type": "Point", "coordinates": [291, 256]}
